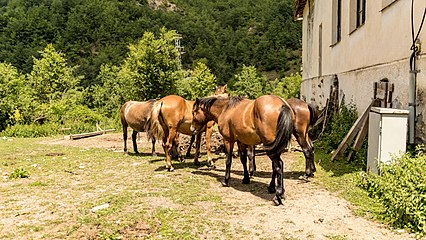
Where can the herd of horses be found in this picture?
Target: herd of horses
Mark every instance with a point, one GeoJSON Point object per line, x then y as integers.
{"type": "Point", "coordinates": [268, 120]}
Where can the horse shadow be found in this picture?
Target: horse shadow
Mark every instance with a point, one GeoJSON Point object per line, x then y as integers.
{"type": "Point", "coordinates": [257, 188]}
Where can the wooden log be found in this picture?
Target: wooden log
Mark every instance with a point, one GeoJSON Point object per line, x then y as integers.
{"type": "Point", "coordinates": [90, 134]}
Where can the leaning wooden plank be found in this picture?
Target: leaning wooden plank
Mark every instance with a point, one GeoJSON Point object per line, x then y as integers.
{"type": "Point", "coordinates": [351, 134]}
{"type": "Point", "coordinates": [359, 138]}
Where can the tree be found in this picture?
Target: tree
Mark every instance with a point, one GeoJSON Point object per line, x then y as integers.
{"type": "Point", "coordinates": [249, 83]}
{"type": "Point", "coordinates": [287, 87]}
{"type": "Point", "coordinates": [199, 83]}
{"type": "Point", "coordinates": [51, 77]}
{"type": "Point", "coordinates": [12, 95]}
{"type": "Point", "coordinates": [150, 71]}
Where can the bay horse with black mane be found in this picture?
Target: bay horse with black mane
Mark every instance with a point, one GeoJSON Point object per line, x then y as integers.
{"type": "Point", "coordinates": [170, 116]}
{"type": "Point", "coordinates": [267, 120]}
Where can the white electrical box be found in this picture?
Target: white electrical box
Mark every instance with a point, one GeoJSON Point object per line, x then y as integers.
{"type": "Point", "coordinates": [387, 136]}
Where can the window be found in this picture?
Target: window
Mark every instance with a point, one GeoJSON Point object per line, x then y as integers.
{"type": "Point", "coordinates": [357, 14]}
{"type": "Point", "coordinates": [337, 22]}
{"type": "Point", "coordinates": [360, 9]}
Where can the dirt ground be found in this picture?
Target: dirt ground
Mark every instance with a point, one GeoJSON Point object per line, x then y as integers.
{"type": "Point", "coordinates": [309, 211]}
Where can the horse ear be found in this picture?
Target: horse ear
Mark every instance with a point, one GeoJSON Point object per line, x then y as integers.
{"type": "Point", "coordinates": [224, 87]}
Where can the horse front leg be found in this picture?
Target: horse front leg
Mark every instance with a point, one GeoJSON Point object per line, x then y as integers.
{"type": "Point", "coordinates": [209, 132]}
{"type": "Point", "coordinates": [278, 168]}
{"type": "Point", "coordinates": [188, 152]}
{"type": "Point", "coordinates": [197, 149]}
{"type": "Point", "coordinates": [135, 145]}
{"type": "Point", "coordinates": [228, 147]}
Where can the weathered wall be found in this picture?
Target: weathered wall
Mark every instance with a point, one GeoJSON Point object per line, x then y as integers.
{"type": "Point", "coordinates": [378, 49]}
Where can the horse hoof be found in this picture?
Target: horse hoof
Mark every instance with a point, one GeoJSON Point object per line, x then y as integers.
{"type": "Point", "coordinates": [251, 174]}
{"type": "Point", "coordinates": [212, 167]}
{"type": "Point", "coordinates": [197, 163]}
{"type": "Point", "coordinates": [277, 201]}
{"type": "Point", "coordinates": [271, 189]}
{"type": "Point", "coordinates": [126, 153]}
{"type": "Point", "coordinates": [246, 180]}
{"type": "Point", "coordinates": [154, 155]}
{"type": "Point", "coordinates": [224, 184]}
{"type": "Point", "coordinates": [171, 169]}
{"type": "Point", "coordinates": [304, 178]}
{"type": "Point", "coordinates": [188, 155]}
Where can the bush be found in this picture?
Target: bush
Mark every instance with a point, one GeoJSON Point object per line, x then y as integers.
{"type": "Point", "coordinates": [337, 128]}
{"type": "Point", "coordinates": [402, 189]}
{"type": "Point", "coordinates": [19, 173]}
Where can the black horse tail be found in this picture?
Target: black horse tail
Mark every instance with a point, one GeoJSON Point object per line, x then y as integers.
{"type": "Point", "coordinates": [313, 114]}
{"type": "Point", "coordinates": [153, 126]}
{"type": "Point", "coordinates": [284, 131]}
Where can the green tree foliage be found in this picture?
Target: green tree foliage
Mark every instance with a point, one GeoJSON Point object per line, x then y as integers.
{"type": "Point", "coordinates": [12, 91]}
{"type": "Point", "coordinates": [287, 87]}
{"type": "Point", "coordinates": [150, 71]}
{"type": "Point", "coordinates": [227, 33]}
{"type": "Point", "coordinates": [51, 77]}
{"type": "Point", "coordinates": [200, 82]}
{"type": "Point", "coordinates": [249, 83]}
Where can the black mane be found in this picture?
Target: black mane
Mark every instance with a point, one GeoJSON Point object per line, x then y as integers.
{"type": "Point", "coordinates": [208, 102]}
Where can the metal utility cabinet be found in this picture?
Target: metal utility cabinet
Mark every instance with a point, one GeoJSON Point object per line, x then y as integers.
{"type": "Point", "coordinates": [387, 136]}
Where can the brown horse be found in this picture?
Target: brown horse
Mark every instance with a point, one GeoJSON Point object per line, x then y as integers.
{"type": "Point", "coordinates": [135, 115]}
{"type": "Point", "coordinates": [267, 120]}
{"type": "Point", "coordinates": [170, 116]}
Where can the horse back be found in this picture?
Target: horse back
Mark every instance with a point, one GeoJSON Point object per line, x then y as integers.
{"type": "Point", "coordinates": [267, 109]}
{"type": "Point", "coordinates": [176, 112]}
{"type": "Point", "coordinates": [135, 114]}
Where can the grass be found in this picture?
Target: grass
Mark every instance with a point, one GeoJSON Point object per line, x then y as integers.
{"type": "Point", "coordinates": [65, 183]}
{"type": "Point", "coordinates": [144, 201]}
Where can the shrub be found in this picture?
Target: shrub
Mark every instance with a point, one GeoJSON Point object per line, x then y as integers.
{"type": "Point", "coordinates": [402, 189]}
{"type": "Point", "coordinates": [19, 173]}
{"type": "Point", "coordinates": [337, 128]}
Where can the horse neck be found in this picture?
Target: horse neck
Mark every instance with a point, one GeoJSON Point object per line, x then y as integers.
{"type": "Point", "coordinates": [217, 108]}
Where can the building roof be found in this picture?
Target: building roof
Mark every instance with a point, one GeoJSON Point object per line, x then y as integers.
{"type": "Point", "coordinates": [299, 5]}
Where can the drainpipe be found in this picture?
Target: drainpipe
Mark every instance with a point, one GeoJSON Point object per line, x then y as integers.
{"type": "Point", "coordinates": [412, 101]}
{"type": "Point", "coordinates": [415, 47]}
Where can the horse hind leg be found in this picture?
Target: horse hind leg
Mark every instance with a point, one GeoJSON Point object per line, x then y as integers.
{"type": "Point", "coordinates": [278, 169]}
{"type": "Point", "coordinates": [124, 124]}
{"type": "Point", "coordinates": [308, 152]}
{"type": "Point", "coordinates": [135, 145]}
{"type": "Point", "coordinates": [251, 154]}
{"type": "Point", "coordinates": [197, 149]}
{"type": "Point", "coordinates": [242, 149]}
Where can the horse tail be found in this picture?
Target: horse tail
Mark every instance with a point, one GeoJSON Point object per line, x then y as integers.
{"type": "Point", "coordinates": [313, 115]}
{"type": "Point", "coordinates": [284, 131]}
{"type": "Point", "coordinates": [153, 126]}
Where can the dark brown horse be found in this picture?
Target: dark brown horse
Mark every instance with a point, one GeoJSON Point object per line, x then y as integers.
{"type": "Point", "coordinates": [267, 120]}
{"type": "Point", "coordinates": [304, 117]}
{"type": "Point", "coordinates": [135, 114]}
{"type": "Point", "coordinates": [170, 116]}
